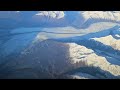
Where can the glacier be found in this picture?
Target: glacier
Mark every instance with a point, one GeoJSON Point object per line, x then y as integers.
{"type": "Point", "coordinates": [60, 44]}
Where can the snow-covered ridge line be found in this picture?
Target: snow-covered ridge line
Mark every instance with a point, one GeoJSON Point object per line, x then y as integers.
{"type": "Point", "coordinates": [52, 14]}
{"type": "Point", "coordinates": [107, 15]}
{"type": "Point", "coordinates": [78, 19]}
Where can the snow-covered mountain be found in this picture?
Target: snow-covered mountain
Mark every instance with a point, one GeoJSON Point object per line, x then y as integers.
{"type": "Point", "coordinates": [60, 44]}
{"type": "Point", "coordinates": [78, 19]}
{"type": "Point", "coordinates": [108, 15]}
{"type": "Point", "coordinates": [90, 17]}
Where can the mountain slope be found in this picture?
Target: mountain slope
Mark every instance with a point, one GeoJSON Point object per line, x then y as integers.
{"type": "Point", "coordinates": [60, 44]}
{"type": "Point", "coordinates": [77, 19]}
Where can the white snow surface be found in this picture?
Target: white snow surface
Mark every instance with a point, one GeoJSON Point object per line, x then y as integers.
{"type": "Point", "coordinates": [21, 38]}
{"type": "Point", "coordinates": [52, 14]}
{"type": "Point", "coordinates": [109, 40]}
{"type": "Point", "coordinates": [60, 18]}
{"type": "Point", "coordinates": [79, 53]}
{"type": "Point", "coordinates": [108, 15]}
